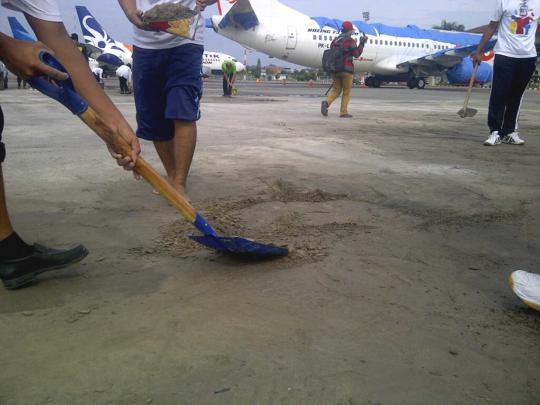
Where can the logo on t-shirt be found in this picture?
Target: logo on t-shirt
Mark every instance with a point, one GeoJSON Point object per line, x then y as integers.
{"type": "Point", "coordinates": [522, 19]}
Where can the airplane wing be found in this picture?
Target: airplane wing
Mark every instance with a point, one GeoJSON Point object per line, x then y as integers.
{"type": "Point", "coordinates": [241, 14]}
{"type": "Point", "coordinates": [441, 61]}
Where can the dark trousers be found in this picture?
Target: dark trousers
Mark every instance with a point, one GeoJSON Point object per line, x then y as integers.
{"type": "Point", "coordinates": [510, 79]}
{"type": "Point", "coordinates": [227, 90]}
{"type": "Point", "coordinates": [2, 147]}
{"type": "Point", "coordinates": [123, 85]}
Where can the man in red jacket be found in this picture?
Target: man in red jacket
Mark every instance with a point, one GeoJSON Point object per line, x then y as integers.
{"type": "Point", "coordinates": [343, 80]}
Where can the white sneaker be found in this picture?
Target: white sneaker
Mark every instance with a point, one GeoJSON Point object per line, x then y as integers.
{"type": "Point", "coordinates": [493, 140]}
{"type": "Point", "coordinates": [527, 287]}
{"type": "Point", "coordinates": [513, 139]}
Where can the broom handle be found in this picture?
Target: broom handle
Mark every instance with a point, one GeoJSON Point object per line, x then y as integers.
{"type": "Point", "coordinates": [471, 84]}
{"type": "Point", "coordinates": [90, 118]}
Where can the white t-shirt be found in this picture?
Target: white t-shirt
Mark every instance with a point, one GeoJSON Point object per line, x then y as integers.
{"type": "Point", "coordinates": [46, 10]}
{"type": "Point", "coordinates": [124, 71]}
{"type": "Point", "coordinates": [98, 71]}
{"type": "Point", "coordinates": [517, 28]}
{"type": "Point", "coordinates": [164, 40]}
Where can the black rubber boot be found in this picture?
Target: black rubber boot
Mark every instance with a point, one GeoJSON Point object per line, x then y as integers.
{"type": "Point", "coordinates": [20, 272]}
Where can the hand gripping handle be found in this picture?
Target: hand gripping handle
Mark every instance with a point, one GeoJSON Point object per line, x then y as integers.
{"type": "Point", "coordinates": [62, 91]}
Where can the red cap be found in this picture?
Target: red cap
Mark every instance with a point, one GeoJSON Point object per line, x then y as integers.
{"type": "Point", "coordinates": [347, 26]}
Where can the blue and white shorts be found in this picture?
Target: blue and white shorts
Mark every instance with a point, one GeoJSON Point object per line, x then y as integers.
{"type": "Point", "coordinates": [168, 87]}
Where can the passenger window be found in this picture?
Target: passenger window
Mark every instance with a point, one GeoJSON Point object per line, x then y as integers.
{"type": "Point", "coordinates": [320, 37]}
{"type": "Point", "coordinates": [325, 38]}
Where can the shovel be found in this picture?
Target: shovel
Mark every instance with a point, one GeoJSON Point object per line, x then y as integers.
{"type": "Point", "coordinates": [467, 112]}
{"type": "Point", "coordinates": [234, 90]}
{"type": "Point", "coordinates": [65, 93]}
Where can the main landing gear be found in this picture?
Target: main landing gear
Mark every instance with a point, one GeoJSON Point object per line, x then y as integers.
{"type": "Point", "coordinates": [373, 81]}
{"type": "Point", "coordinates": [416, 83]}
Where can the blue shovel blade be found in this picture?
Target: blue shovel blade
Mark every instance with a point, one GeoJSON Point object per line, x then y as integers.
{"type": "Point", "coordinates": [240, 246]}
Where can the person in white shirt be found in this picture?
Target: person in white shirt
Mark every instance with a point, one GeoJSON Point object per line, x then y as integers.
{"type": "Point", "coordinates": [124, 76]}
{"type": "Point", "coordinates": [167, 81]}
{"type": "Point", "coordinates": [98, 73]}
{"type": "Point", "coordinates": [20, 263]}
{"type": "Point", "coordinates": [515, 22]}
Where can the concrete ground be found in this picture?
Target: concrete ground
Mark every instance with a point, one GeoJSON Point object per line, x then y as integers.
{"type": "Point", "coordinates": [403, 231]}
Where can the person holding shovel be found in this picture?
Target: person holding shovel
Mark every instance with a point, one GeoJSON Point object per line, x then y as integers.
{"type": "Point", "coordinates": [20, 263]}
{"type": "Point", "coordinates": [229, 77]}
{"type": "Point", "coordinates": [515, 22]}
{"type": "Point", "coordinates": [167, 82]}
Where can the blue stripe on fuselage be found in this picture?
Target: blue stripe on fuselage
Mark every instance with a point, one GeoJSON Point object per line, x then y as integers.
{"type": "Point", "coordinates": [410, 31]}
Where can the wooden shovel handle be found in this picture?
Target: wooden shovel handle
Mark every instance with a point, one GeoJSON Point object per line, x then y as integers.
{"type": "Point", "coordinates": [471, 84]}
{"type": "Point", "coordinates": [90, 118]}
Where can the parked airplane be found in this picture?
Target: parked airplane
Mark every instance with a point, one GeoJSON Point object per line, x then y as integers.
{"type": "Point", "coordinates": [19, 32]}
{"type": "Point", "coordinates": [409, 54]}
{"type": "Point", "coordinates": [113, 53]}
{"type": "Point", "coordinates": [116, 53]}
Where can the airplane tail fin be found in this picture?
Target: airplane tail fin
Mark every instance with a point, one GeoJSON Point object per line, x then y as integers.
{"type": "Point", "coordinates": [94, 33]}
{"type": "Point", "coordinates": [114, 53]}
{"type": "Point", "coordinates": [225, 5]}
{"type": "Point", "coordinates": [19, 32]}
{"type": "Point", "coordinates": [240, 13]}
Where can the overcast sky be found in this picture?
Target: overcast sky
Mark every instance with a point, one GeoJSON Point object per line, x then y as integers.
{"type": "Point", "coordinates": [424, 13]}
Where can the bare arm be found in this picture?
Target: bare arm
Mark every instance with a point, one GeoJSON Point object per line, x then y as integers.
{"type": "Point", "coordinates": [132, 13]}
{"type": "Point", "coordinates": [492, 28]}
{"type": "Point", "coordinates": [54, 35]}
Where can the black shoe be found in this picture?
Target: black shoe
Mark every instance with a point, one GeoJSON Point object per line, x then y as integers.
{"type": "Point", "coordinates": [324, 108]}
{"type": "Point", "coordinates": [20, 272]}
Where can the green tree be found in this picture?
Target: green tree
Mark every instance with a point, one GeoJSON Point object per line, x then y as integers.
{"type": "Point", "coordinates": [258, 69]}
{"type": "Point", "coordinates": [450, 26]}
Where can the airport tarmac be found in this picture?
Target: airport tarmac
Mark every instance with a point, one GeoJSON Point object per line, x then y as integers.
{"type": "Point", "coordinates": [403, 232]}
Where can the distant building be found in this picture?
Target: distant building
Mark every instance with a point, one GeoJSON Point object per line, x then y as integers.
{"type": "Point", "coordinates": [273, 72]}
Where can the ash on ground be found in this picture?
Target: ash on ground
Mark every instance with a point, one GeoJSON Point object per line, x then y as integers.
{"type": "Point", "coordinates": [167, 12]}
{"type": "Point", "coordinates": [307, 243]}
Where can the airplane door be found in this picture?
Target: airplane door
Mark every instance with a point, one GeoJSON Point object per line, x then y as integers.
{"type": "Point", "coordinates": [292, 37]}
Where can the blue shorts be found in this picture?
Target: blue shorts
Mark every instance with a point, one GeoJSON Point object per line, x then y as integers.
{"type": "Point", "coordinates": [168, 87]}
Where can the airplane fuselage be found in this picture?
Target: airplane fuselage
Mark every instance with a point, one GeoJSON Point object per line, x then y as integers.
{"type": "Point", "coordinates": [289, 35]}
{"type": "Point", "coordinates": [304, 43]}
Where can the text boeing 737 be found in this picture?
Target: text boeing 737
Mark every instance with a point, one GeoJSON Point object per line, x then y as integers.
{"type": "Point", "coordinates": [408, 54]}
{"type": "Point", "coordinates": [115, 53]}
